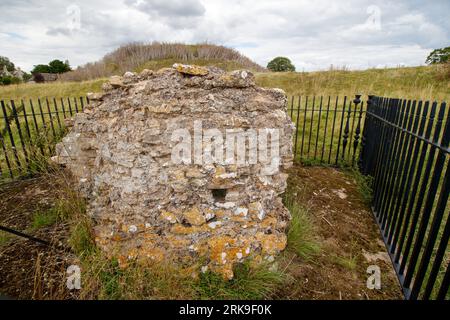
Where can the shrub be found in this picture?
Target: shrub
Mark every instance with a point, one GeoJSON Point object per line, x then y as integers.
{"type": "Point", "coordinates": [439, 56]}
{"type": "Point", "coordinates": [280, 64]}
{"type": "Point", "coordinates": [9, 80]}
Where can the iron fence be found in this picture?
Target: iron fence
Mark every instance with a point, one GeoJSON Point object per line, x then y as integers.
{"type": "Point", "coordinates": [29, 131]}
{"type": "Point", "coordinates": [406, 151]}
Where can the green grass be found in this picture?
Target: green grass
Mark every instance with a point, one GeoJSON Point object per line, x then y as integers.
{"type": "Point", "coordinates": [249, 283]}
{"type": "Point", "coordinates": [364, 184]}
{"type": "Point", "coordinates": [349, 263]}
{"type": "Point", "coordinates": [4, 238]}
{"type": "Point", "coordinates": [59, 212]}
{"type": "Point", "coordinates": [301, 233]}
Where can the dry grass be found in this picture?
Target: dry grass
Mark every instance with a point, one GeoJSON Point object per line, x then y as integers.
{"type": "Point", "coordinates": [133, 56]}
{"type": "Point", "coordinates": [415, 83]}
{"type": "Point", "coordinates": [418, 83]}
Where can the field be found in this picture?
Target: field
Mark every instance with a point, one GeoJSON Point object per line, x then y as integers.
{"type": "Point", "coordinates": [429, 82]}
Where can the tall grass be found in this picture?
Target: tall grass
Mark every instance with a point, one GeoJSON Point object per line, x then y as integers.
{"type": "Point", "coordinates": [416, 83]}
{"type": "Point", "coordinates": [132, 56]}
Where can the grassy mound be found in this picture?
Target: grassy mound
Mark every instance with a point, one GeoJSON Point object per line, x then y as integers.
{"type": "Point", "coordinates": [136, 57]}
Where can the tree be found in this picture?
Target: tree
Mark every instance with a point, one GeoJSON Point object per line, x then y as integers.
{"type": "Point", "coordinates": [55, 66]}
{"type": "Point", "coordinates": [4, 61]}
{"type": "Point", "coordinates": [439, 56]}
{"type": "Point", "coordinates": [280, 64]}
{"type": "Point", "coordinates": [41, 68]}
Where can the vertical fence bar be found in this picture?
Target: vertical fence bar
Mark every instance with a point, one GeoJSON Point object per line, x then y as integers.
{"type": "Point", "coordinates": [304, 127]}
{"type": "Point", "coordinates": [346, 131]}
{"type": "Point", "coordinates": [318, 128]}
{"type": "Point", "coordinates": [357, 134]}
{"type": "Point", "coordinates": [8, 164]}
{"type": "Point", "coordinates": [70, 107]}
{"type": "Point", "coordinates": [332, 128]}
{"type": "Point", "coordinates": [57, 114]}
{"type": "Point", "coordinates": [51, 118]}
{"type": "Point", "coordinates": [296, 126]}
{"type": "Point", "coordinates": [19, 131]}
{"type": "Point", "coordinates": [82, 104]}
{"type": "Point", "coordinates": [11, 137]}
{"type": "Point", "coordinates": [356, 101]}
{"type": "Point", "coordinates": [325, 131]}
{"type": "Point", "coordinates": [76, 104]}
{"type": "Point", "coordinates": [311, 125]}
{"type": "Point", "coordinates": [63, 108]}
{"type": "Point", "coordinates": [365, 144]}
{"type": "Point", "coordinates": [25, 116]}
{"type": "Point", "coordinates": [340, 130]}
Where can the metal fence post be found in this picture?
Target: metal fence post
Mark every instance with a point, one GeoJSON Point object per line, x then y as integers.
{"type": "Point", "coordinates": [362, 162]}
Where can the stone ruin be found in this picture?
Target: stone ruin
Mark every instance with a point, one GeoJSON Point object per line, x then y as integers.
{"type": "Point", "coordinates": [146, 154]}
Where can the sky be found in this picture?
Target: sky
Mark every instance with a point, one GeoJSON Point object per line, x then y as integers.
{"type": "Point", "coordinates": [356, 34]}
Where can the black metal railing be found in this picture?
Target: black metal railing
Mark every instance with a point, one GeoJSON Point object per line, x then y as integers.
{"type": "Point", "coordinates": [328, 129]}
{"type": "Point", "coordinates": [406, 151]}
{"type": "Point", "coordinates": [29, 131]}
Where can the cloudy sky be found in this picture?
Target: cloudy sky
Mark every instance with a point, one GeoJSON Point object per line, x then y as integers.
{"type": "Point", "coordinates": [357, 34]}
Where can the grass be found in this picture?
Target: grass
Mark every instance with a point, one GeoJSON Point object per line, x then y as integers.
{"type": "Point", "coordinates": [364, 184]}
{"type": "Point", "coordinates": [301, 234]}
{"type": "Point", "coordinates": [250, 283]}
{"type": "Point", "coordinates": [415, 82]}
{"type": "Point", "coordinates": [4, 238]}
{"type": "Point", "coordinates": [55, 89]}
{"type": "Point", "coordinates": [349, 263]}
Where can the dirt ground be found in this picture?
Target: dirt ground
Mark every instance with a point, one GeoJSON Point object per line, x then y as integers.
{"type": "Point", "coordinates": [29, 270]}
{"type": "Point", "coordinates": [349, 238]}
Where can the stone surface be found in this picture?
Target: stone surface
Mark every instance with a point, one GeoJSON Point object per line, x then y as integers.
{"type": "Point", "coordinates": [202, 215]}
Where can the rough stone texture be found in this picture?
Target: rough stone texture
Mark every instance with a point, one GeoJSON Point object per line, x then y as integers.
{"type": "Point", "coordinates": [147, 208]}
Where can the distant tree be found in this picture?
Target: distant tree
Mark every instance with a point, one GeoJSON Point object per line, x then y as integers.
{"type": "Point", "coordinates": [41, 68]}
{"type": "Point", "coordinates": [280, 64]}
{"type": "Point", "coordinates": [439, 56]}
{"type": "Point", "coordinates": [26, 76]}
{"type": "Point", "coordinates": [4, 61]}
{"type": "Point", "coordinates": [57, 66]}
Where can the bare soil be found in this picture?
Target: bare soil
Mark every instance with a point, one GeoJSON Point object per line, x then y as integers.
{"type": "Point", "coordinates": [349, 238]}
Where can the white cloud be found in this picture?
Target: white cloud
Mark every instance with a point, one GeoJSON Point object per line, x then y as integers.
{"type": "Point", "coordinates": [355, 33]}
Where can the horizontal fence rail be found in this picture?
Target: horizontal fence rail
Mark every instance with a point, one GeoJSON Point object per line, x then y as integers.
{"type": "Point", "coordinates": [406, 151]}
{"type": "Point", "coordinates": [29, 131]}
